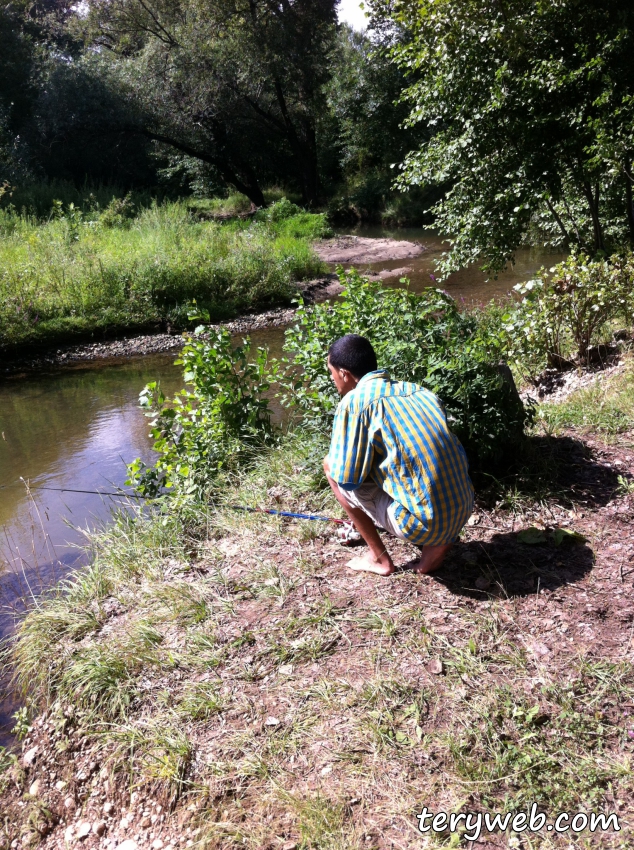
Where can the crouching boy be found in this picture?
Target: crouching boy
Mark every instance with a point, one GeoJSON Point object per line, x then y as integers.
{"type": "Point", "coordinates": [393, 462]}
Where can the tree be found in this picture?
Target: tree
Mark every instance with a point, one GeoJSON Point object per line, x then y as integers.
{"type": "Point", "coordinates": [235, 83]}
{"type": "Point", "coordinates": [532, 107]}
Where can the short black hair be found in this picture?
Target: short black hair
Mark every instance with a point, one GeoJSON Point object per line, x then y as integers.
{"type": "Point", "coordinates": [354, 353]}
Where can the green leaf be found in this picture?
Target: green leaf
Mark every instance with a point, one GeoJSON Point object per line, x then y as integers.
{"type": "Point", "coordinates": [561, 535]}
{"type": "Point", "coordinates": [531, 536]}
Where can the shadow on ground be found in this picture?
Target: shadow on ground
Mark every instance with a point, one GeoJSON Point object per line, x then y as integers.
{"type": "Point", "coordinates": [564, 468]}
{"type": "Point", "coordinates": [505, 568]}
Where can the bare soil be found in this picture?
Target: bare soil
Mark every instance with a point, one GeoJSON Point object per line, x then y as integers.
{"type": "Point", "coordinates": [350, 702]}
{"type": "Point", "coordinates": [361, 250]}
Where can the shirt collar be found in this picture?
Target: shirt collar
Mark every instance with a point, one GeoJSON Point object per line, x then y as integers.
{"type": "Point", "coordinates": [377, 374]}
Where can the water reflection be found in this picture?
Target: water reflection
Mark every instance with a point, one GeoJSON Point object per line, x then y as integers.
{"type": "Point", "coordinates": [468, 286]}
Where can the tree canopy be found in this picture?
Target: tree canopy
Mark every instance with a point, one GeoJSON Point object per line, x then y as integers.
{"type": "Point", "coordinates": [531, 108]}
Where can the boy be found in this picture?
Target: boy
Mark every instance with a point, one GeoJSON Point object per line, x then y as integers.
{"type": "Point", "coordinates": [393, 461]}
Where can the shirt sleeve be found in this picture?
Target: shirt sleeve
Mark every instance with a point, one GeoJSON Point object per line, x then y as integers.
{"type": "Point", "coordinates": [351, 449]}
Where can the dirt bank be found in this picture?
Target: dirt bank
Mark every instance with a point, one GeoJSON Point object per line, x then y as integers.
{"type": "Point", "coordinates": [278, 689]}
{"type": "Point", "coordinates": [362, 250]}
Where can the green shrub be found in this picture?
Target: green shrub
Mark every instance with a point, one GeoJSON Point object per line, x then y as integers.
{"type": "Point", "coordinates": [207, 428]}
{"type": "Point", "coordinates": [422, 338]}
{"type": "Point", "coordinates": [564, 311]}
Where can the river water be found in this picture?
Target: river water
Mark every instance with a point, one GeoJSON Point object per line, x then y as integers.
{"type": "Point", "coordinates": [75, 428]}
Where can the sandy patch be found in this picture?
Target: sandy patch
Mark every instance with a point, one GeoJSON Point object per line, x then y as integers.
{"type": "Point", "coordinates": [358, 249]}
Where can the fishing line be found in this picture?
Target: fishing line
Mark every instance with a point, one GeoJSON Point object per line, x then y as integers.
{"type": "Point", "coordinates": [270, 511]}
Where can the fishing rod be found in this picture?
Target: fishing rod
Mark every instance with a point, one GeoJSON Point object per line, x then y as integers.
{"type": "Point", "coordinates": [290, 514]}
{"type": "Point", "coordinates": [270, 511]}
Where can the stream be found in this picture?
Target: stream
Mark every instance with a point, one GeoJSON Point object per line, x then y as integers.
{"type": "Point", "coordinates": [76, 427]}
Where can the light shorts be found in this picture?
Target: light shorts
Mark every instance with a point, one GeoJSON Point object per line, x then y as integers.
{"type": "Point", "coordinates": [377, 504]}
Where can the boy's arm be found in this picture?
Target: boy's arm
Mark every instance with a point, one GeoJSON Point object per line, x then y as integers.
{"type": "Point", "coordinates": [351, 452]}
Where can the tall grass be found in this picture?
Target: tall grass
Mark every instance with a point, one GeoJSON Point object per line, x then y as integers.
{"type": "Point", "coordinates": [74, 274]}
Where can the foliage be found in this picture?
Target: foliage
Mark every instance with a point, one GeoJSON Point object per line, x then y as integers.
{"type": "Point", "coordinates": [238, 85]}
{"type": "Point", "coordinates": [532, 108]}
{"type": "Point", "coordinates": [422, 338]}
{"type": "Point", "coordinates": [207, 428]}
{"type": "Point", "coordinates": [569, 306]}
{"type": "Point", "coordinates": [100, 269]}
{"type": "Point", "coordinates": [363, 135]}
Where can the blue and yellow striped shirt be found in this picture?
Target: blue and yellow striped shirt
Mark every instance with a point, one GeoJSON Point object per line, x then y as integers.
{"type": "Point", "coordinates": [396, 434]}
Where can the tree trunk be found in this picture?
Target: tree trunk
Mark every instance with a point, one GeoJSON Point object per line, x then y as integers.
{"type": "Point", "coordinates": [628, 198]}
{"type": "Point", "coordinates": [593, 204]}
{"type": "Point", "coordinates": [246, 183]}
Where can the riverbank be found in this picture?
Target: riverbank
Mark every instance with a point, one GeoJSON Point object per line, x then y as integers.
{"type": "Point", "coordinates": [73, 277]}
{"type": "Point", "coordinates": [311, 291]}
{"type": "Point", "coordinates": [221, 678]}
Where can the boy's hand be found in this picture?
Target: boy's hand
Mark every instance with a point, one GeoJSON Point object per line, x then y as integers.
{"type": "Point", "coordinates": [327, 465]}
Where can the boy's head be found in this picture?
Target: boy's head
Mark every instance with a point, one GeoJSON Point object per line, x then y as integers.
{"type": "Point", "coordinates": [349, 359]}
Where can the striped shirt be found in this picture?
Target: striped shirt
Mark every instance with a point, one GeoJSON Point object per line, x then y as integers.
{"type": "Point", "coordinates": [396, 434]}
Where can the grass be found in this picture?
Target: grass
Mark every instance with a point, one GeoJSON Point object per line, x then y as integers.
{"type": "Point", "coordinates": [78, 274]}
{"type": "Point", "coordinates": [228, 666]}
{"type": "Point", "coordinates": [231, 674]}
{"type": "Point", "coordinates": [606, 407]}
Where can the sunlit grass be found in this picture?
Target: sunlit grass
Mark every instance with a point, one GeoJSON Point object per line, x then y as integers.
{"type": "Point", "coordinates": [606, 406]}
{"type": "Point", "coordinates": [71, 274]}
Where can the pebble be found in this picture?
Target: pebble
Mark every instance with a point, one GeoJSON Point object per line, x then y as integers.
{"type": "Point", "coordinates": [157, 844]}
{"type": "Point", "coordinates": [83, 829]}
{"type": "Point", "coordinates": [29, 757]}
{"type": "Point", "coordinates": [69, 834]}
{"type": "Point", "coordinates": [69, 802]}
{"type": "Point", "coordinates": [128, 844]}
{"type": "Point", "coordinates": [99, 827]}
{"type": "Point", "coordinates": [34, 788]}
{"type": "Point", "coordinates": [155, 343]}
{"type": "Point", "coordinates": [107, 808]}
{"type": "Point", "coordinates": [60, 785]}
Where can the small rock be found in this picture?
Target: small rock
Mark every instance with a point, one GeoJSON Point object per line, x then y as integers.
{"type": "Point", "coordinates": [326, 770]}
{"type": "Point", "coordinates": [145, 823]}
{"type": "Point", "coordinates": [271, 721]}
{"type": "Point", "coordinates": [29, 757]}
{"type": "Point", "coordinates": [108, 808]}
{"type": "Point", "coordinates": [123, 823]}
{"type": "Point", "coordinates": [157, 844]}
{"type": "Point", "coordinates": [34, 788]}
{"type": "Point", "coordinates": [60, 785]}
{"type": "Point", "coordinates": [83, 829]}
{"type": "Point", "coordinates": [435, 666]}
{"type": "Point", "coordinates": [99, 827]}
{"type": "Point", "coordinates": [69, 803]}
{"type": "Point", "coordinates": [128, 844]}
{"type": "Point", "coordinates": [474, 519]}
{"type": "Point", "coordinates": [290, 845]}
{"type": "Point", "coordinates": [69, 834]}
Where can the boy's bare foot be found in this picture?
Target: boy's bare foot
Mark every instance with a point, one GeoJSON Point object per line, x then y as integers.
{"type": "Point", "coordinates": [431, 558]}
{"type": "Point", "coordinates": [382, 566]}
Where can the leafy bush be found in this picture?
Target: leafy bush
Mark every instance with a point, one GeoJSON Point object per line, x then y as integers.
{"type": "Point", "coordinates": [566, 309]}
{"type": "Point", "coordinates": [207, 428]}
{"type": "Point", "coordinates": [422, 338]}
